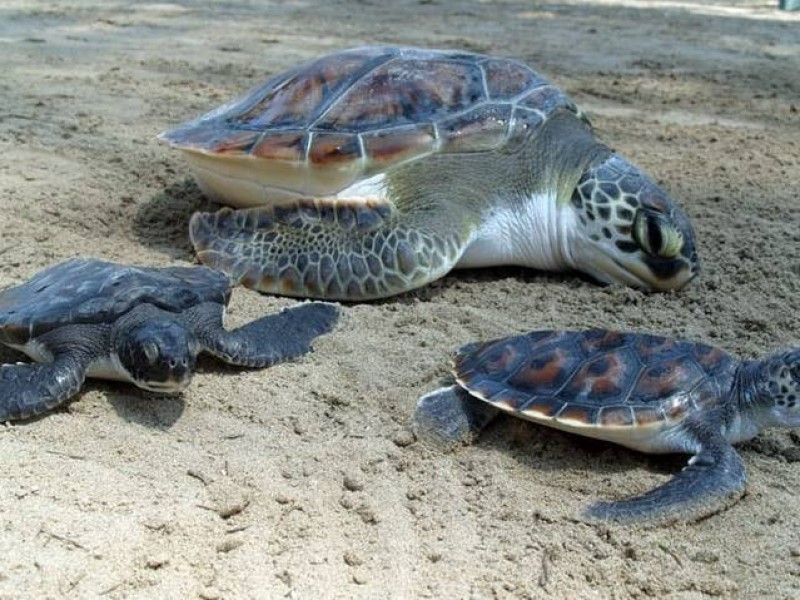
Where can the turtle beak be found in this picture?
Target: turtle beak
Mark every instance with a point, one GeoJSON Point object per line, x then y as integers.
{"type": "Point", "coordinates": [170, 387]}
{"type": "Point", "coordinates": [661, 274]}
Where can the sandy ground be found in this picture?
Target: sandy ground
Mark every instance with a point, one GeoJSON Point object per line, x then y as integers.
{"type": "Point", "coordinates": [302, 481]}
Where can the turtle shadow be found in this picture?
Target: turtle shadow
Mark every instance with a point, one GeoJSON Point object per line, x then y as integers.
{"type": "Point", "coordinates": [543, 448]}
{"type": "Point", "coordinates": [525, 275]}
{"type": "Point", "coordinates": [136, 406]}
{"type": "Point", "coordinates": [162, 222]}
{"type": "Point", "coordinates": [9, 356]}
{"type": "Point", "coordinates": [209, 365]}
{"type": "Point", "coordinates": [162, 411]}
{"type": "Point", "coordinates": [457, 279]}
{"type": "Point", "coordinates": [155, 411]}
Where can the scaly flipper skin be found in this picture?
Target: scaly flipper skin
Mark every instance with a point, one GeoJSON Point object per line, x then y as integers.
{"type": "Point", "coordinates": [451, 416]}
{"type": "Point", "coordinates": [27, 390]}
{"type": "Point", "coordinates": [269, 340]}
{"type": "Point", "coordinates": [336, 250]}
{"type": "Point", "coordinates": [32, 389]}
{"type": "Point", "coordinates": [713, 480]}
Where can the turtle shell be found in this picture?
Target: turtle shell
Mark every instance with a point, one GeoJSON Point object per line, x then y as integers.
{"type": "Point", "coordinates": [93, 291]}
{"type": "Point", "coordinates": [324, 125]}
{"type": "Point", "coordinates": [623, 387]}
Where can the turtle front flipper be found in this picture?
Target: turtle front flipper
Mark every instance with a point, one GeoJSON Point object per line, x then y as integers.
{"type": "Point", "coordinates": [713, 480]}
{"type": "Point", "coordinates": [450, 416]}
{"type": "Point", "coordinates": [27, 390]}
{"type": "Point", "coordinates": [269, 340]}
{"type": "Point", "coordinates": [330, 249]}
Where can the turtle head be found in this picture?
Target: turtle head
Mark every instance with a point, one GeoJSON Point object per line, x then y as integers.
{"type": "Point", "coordinates": [777, 389]}
{"type": "Point", "coordinates": [629, 231]}
{"type": "Point", "coordinates": [158, 354]}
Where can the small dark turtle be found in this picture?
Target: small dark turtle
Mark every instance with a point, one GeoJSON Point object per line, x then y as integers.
{"type": "Point", "coordinates": [646, 392]}
{"type": "Point", "coordinates": [89, 318]}
{"type": "Point", "coordinates": [376, 170]}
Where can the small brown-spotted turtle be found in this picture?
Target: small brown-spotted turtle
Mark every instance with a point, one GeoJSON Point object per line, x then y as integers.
{"type": "Point", "coordinates": [90, 318]}
{"type": "Point", "coordinates": [646, 392]}
{"type": "Point", "coordinates": [373, 171]}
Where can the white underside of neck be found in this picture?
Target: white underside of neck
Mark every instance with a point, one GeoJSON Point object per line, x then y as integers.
{"type": "Point", "coordinates": [742, 429]}
{"type": "Point", "coordinates": [532, 233]}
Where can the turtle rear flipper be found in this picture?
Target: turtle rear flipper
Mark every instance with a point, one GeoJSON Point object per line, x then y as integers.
{"type": "Point", "coordinates": [27, 390]}
{"type": "Point", "coordinates": [269, 340]}
{"type": "Point", "coordinates": [331, 249]}
{"type": "Point", "coordinates": [714, 478]}
{"type": "Point", "coordinates": [450, 416]}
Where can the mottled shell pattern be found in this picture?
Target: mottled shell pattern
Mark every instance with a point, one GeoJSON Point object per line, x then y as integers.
{"type": "Point", "coordinates": [341, 118]}
{"type": "Point", "coordinates": [596, 379]}
{"type": "Point", "coordinates": [93, 291]}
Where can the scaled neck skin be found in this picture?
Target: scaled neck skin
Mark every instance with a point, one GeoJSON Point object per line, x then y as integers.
{"type": "Point", "coordinates": [530, 222]}
{"type": "Point", "coordinates": [748, 412]}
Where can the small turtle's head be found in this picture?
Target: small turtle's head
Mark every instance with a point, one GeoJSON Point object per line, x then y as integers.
{"type": "Point", "coordinates": [629, 231]}
{"type": "Point", "coordinates": [159, 355]}
{"type": "Point", "coordinates": [777, 388]}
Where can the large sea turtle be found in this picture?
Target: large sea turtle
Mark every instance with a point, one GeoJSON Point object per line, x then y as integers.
{"type": "Point", "coordinates": [646, 392]}
{"type": "Point", "coordinates": [376, 170]}
{"type": "Point", "coordinates": [89, 318]}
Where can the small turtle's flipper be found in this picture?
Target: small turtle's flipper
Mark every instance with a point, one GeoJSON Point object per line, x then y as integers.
{"type": "Point", "coordinates": [450, 416]}
{"type": "Point", "coordinates": [271, 339]}
{"type": "Point", "coordinates": [332, 249]}
{"type": "Point", "coordinates": [27, 390]}
{"type": "Point", "coordinates": [713, 480]}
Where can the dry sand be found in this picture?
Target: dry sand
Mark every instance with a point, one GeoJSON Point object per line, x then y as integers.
{"type": "Point", "coordinates": [301, 481]}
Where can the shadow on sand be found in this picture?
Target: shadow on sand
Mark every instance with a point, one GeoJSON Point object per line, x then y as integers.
{"type": "Point", "coordinates": [162, 222]}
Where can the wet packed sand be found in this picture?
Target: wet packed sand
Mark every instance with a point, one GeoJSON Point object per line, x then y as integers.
{"type": "Point", "coordinates": [302, 480]}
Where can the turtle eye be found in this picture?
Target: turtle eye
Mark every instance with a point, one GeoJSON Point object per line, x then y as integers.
{"type": "Point", "coordinates": [795, 370]}
{"type": "Point", "coordinates": [656, 235]}
{"type": "Point", "coordinates": [151, 351]}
